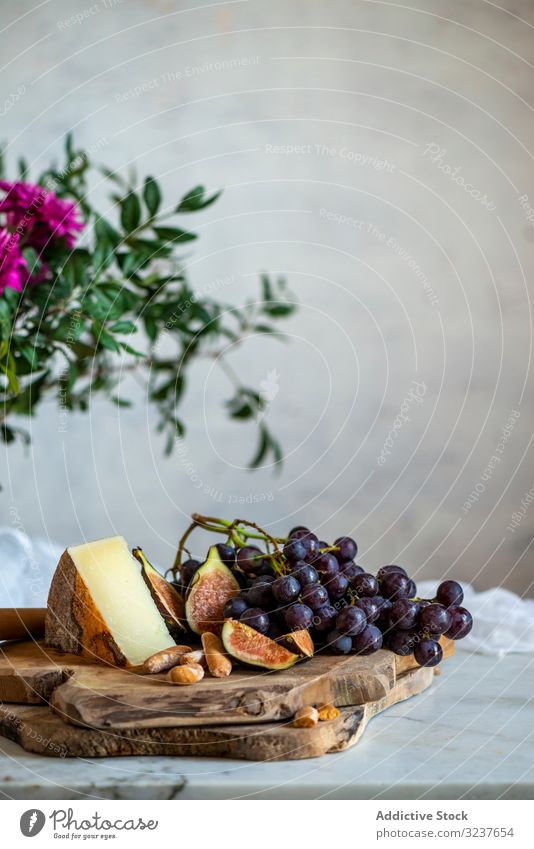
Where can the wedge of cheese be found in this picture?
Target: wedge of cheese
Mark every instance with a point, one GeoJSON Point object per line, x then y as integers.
{"type": "Point", "coordinates": [100, 606]}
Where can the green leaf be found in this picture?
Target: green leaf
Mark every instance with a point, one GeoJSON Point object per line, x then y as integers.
{"type": "Point", "coordinates": [130, 212]}
{"type": "Point", "coordinates": [107, 340]}
{"type": "Point", "coordinates": [28, 352]}
{"type": "Point", "coordinates": [151, 328]}
{"type": "Point", "coordinates": [120, 402]}
{"type": "Point", "coordinates": [109, 174]}
{"type": "Point", "coordinates": [11, 296]}
{"type": "Point", "coordinates": [195, 200]}
{"type": "Point", "coordinates": [262, 449]}
{"type": "Point", "coordinates": [69, 147]}
{"type": "Point", "coordinates": [174, 234]}
{"type": "Point", "coordinates": [124, 326]}
{"type": "Point", "coordinates": [151, 195]}
{"type": "Point", "coordinates": [266, 288]}
{"type": "Point", "coordinates": [106, 241]}
{"type": "Point", "coordinates": [266, 445]}
{"type": "Point", "coordinates": [10, 370]}
{"type": "Point", "coordinates": [23, 168]}
{"type": "Point", "coordinates": [278, 309]}
{"type": "Point", "coordinates": [245, 404]}
{"type": "Point", "coordinates": [129, 350]}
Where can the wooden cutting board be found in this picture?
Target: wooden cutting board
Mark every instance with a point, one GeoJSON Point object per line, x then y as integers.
{"type": "Point", "coordinates": [100, 696]}
{"type": "Point", "coordinates": [38, 729]}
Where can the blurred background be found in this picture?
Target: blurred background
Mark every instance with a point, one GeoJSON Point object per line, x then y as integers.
{"type": "Point", "coordinates": [380, 158]}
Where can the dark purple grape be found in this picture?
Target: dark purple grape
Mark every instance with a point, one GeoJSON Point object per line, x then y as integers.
{"type": "Point", "coordinates": [275, 630]}
{"type": "Point", "coordinates": [450, 594]}
{"type": "Point", "coordinates": [249, 558]}
{"type": "Point", "coordinates": [234, 607]}
{"type": "Point", "coordinates": [299, 533]}
{"type": "Point", "coordinates": [369, 641]}
{"type": "Point", "coordinates": [386, 570]}
{"type": "Point", "coordinates": [315, 596]}
{"type": "Point", "coordinates": [285, 589]}
{"type": "Point", "coordinates": [339, 643]}
{"type": "Point", "coordinates": [266, 568]}
{"type": "Point", "coordinates": [365, 584]}
{"type": "Point", "coordinates": [327, 566]}
{"type": "Point", "coordinates": [305, 574]}
{"type": "Point", "coordinates": [260, 593]}
{"type": "Point", "coordinates": [404, 614]}
{"type": "Point", "coordinates": [412, 589]}
{"type": "Point", "coordinates": [324, 618]}
{"type": "Point", "coordinates": [351, 621]}
{"type": "Point", "coordinates": [385, 605]}
{"type": "Point", "coordinates": [298, 616]}
{"type": "Point", "coordinates": [350, 569]}
{"type": "Point", "coordinates": [311, 544]}
{"type": "Point", "coordinates": [461, 623]}
{"type": "Point", "coordinates": [298, 529]}
{"type": "Point", "coordinates": [370, 608]}
{"type": "Point", "coordinates": [346, 549]}
{"type": "Point", "coordinates": [428, 653]}
{"type": "Point", "coordinates": [294, 550]}
{"type": "Point", "coordinates": [188, 569]}
{"type": "Point", "coordinates": [243, 580]}
{"type": "Point", "coordinates": [435, 618]}
{"type": "Point", "coordinates": [337, 586]}
{"type": "Point", "coordinates": [226, 553]}
{"type": "Point", "coordinates": [395, 585]}
{"type": "Point", "coordinates": [256, 618]}
{"type": "Point", "coordinates": [322, 544]}
{"type": "Point", "coordinates": [402, 642]}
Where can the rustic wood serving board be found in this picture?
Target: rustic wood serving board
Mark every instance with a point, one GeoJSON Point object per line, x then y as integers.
{"type": "Point", "coordinates": [100, 696]}
{"type": "Point", "coordinates": [38, 729]}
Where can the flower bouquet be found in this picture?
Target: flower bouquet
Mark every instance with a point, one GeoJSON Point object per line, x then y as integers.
{"type": "Point", "coordinates": [76, 285]}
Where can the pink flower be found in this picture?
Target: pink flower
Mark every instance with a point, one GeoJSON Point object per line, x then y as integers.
{"type": "Point", "coordinates": [38, 216]}
{"type": "Point", "coordinates": [13, 268]}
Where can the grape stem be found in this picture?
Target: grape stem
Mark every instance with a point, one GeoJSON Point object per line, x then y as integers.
{"type": "Point", "coordinates": [236, 531]}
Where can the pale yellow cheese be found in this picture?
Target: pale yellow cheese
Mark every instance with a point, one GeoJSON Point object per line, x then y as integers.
{"type": "Point", "coordinates": [113, 578]}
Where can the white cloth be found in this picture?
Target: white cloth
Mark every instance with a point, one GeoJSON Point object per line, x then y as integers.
{"type": "Point", "coordinates": [26, 568]}
{"type": "Point", "coordinates": [502, 621]}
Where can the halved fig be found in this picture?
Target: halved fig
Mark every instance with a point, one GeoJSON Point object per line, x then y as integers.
{"type": "Point", "coordinates": [298, 642]}
{"type": "Point", "coordinates": [166, 598]}
{"type": "Point", "coordinates": [211, 587]}
{"type": "Point", "coordinates": [253, 648]}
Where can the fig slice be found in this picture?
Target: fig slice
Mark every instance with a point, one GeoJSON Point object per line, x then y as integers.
{"type": "Point", "coordinates": [253, 648]}
{"type": "Point", "coordinates": [166, 598]}
{"type": "Point", "coordinates": [211, 587]}
{"type": "Point", "coordinates": [298, 642]}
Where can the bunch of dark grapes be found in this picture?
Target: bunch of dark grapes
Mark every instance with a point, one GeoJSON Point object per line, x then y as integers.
{"type": "Point", "coordinates": [319, 587]}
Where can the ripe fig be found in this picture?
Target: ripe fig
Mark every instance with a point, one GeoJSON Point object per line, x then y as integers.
{"type": "Point", "coordinates": [165, 596]}
{"type": "Point", "coordinates": [298, 642]}
{"type": "Point", "coordinates": [211, 587]}
{"type": "Point", "coordinates": [255, 649]}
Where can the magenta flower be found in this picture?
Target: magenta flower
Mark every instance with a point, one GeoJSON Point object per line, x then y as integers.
{"type": "Point", "coordinates": [13, 268]}
{"type": "Point", "coordinates": [38, 216]}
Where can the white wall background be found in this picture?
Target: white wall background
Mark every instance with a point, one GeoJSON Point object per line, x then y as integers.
{"type": "Point", "coordinates": [356, 83]}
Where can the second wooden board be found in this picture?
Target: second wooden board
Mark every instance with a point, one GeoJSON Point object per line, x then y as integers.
{"type": "Point", "coordinates": [39, 730]}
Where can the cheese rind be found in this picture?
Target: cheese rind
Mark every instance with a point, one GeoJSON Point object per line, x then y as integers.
{"type": "Point", "coordinates": [100, 606]}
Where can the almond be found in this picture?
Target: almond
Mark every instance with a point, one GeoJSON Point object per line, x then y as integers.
{"type": "Point", "coordinates": [306, 717]}
{"type": "Point", "coordinates": [189, 673]}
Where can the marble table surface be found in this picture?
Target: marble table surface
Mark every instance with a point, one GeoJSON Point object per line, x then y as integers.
{"type": "Point", "coordinates": [471, 735]}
